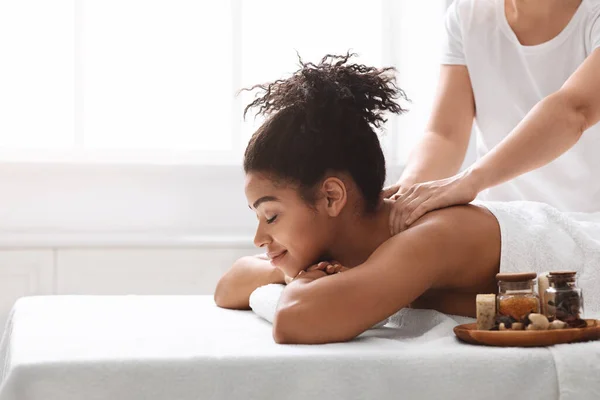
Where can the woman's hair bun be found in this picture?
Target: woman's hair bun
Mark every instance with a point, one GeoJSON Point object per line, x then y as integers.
{"type": "Point", "coordinates": [333, 89]}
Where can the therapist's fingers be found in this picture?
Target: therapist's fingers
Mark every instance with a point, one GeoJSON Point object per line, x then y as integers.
{"type": "Point", "coordinates": [419, 211]}
{"type": "Point", "coordinates": [403, 210]}
{"type": "Point", "coordinates": [390, 191]}
{"type": "Point", "coordinates": [397, 209]}
{"type": "Point", "coordinates": [402, 191]}
{"type": "Point", "coordinates": [395, 218]}
{"type": "Point", "coordinates": [397, 225]}
{"type": "Point", "coordinates": [408, 192]}
{"type": "Point", "coordinates": [418, 207]}
{"type": "Point", "coordinates": [392, 219]}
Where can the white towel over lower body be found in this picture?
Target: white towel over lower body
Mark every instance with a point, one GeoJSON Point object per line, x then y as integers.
{"type": "Point", "coordinates": [537, 237]}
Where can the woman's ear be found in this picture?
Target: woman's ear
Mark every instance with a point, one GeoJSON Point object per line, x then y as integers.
{"type": "Point", "coordinates": [334, 195]}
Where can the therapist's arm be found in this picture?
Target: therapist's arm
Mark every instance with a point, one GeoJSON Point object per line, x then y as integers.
{"type": "Point", "coordinates": [551, 128]}
{"type": "Point", "coordinates": [441, 151]}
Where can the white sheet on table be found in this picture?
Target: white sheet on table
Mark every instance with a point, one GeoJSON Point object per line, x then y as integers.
{"type": "Point", "coordinates": [185, 347]}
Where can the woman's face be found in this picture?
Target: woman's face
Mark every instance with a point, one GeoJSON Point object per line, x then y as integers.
{"type": "Point", "coordinates": [294, 235]}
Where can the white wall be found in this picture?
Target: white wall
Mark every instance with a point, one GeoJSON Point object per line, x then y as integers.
{"type": "Point", "coordinates": [119, 229]}
{"type": "Point", "coordinates": [159, 200]}
{"type": "Point", "coordinates": [471, 154]}
{"type": "Point", "coordinates": [111, 271]}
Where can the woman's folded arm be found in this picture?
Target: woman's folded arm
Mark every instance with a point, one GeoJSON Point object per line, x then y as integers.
{"type": "Point", "coordinates": [244, 276]}
{"type": "Point", "coordinates": [339, 307]}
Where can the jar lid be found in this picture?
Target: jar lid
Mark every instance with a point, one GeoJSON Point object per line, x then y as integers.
{"type": "Point", "coordinates": [565, 274]}
{"type": "Point", "coordinates": [516, 277]}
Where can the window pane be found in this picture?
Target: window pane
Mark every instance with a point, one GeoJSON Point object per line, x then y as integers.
{"type": "Point", "coordinates": [157, 74]}
{"type": "Point", "coordinates": [36, 74]}
{"type": "Point", "coordinates": [273, 30]}
{"type": "Point", "coordinates": [418, 32]}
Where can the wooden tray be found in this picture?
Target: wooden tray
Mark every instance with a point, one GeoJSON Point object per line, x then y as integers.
{"type": "Point", "coordinates": [469, 333]}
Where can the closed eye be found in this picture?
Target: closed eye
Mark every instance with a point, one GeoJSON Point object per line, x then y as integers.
{"type": "Point", "coordinates": [271, 220]}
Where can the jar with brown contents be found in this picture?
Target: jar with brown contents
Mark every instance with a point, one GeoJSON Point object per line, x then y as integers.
{"type": "Point", "coordinates": [563, 299]}
{"type": "Point", "coordinates": [516, 295]}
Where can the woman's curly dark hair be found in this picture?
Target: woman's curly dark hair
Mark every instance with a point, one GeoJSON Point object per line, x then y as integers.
{"type": "Point", "coordinates": [322, 120]}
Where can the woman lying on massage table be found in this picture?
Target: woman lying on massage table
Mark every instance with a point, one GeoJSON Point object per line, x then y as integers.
{"type": "Point", "coordinates": [314, 175]}
{"type": "Point", "coordinates": [314, 171]}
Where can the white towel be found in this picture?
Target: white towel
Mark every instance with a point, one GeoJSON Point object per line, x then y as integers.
{"type": "Point", "coordinates": [537, 237]}
{"type": "Point", "coordinates": [264, 299]}
{"type": "Point", "coordinates": [577, 370]}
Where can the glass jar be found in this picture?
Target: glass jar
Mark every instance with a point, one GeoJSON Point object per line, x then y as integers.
{"type": "Point", "coordinates": [563, 299]}
{"type": "Point", "coordinates": [516, 295]}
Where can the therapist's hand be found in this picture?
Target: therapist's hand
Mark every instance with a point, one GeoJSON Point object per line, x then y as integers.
{"type": "Point", "coordinates": [421, 198]}
{"type": "Point", "coordinates": [394, 191]}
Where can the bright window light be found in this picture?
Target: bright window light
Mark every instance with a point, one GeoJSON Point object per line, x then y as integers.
{"type": "Point", "coordinates": [132, 79]}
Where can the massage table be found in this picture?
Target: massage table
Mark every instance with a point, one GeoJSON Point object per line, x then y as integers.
{"type": "Point", "coordinates": [185, 347]}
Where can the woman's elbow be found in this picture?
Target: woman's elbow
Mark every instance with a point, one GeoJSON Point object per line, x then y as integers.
{"type": "Point", "coordinates": [220, 296]}
{"type": "Point", "coordinates": [291, 327]}
{"type": "Point", "coordinates": [225, 295]}
{"type": "Point", "coordinates": [284, 331]}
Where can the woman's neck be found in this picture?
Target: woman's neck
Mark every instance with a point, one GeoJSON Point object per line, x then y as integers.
{"type": "Point", "coordinates": [538, 21]}
{"type": "Point", "coordinates": [540, 9]}
{"type": "Point", "coordinates": [358, 236]}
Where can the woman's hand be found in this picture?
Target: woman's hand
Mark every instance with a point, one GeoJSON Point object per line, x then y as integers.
{"type": "Point", "coordinates": [428, 196]}
{"type": "Point", "coordinates": [320, 270]}
{"type": "Point", "coordinates": [329, 267]}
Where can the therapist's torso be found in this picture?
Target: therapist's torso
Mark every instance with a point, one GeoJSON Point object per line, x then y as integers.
{"type": "Point", "coordinates": [508, 79]}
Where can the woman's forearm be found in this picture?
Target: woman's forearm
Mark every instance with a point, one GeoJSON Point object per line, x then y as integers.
{"type": "Point", "coordinates": [246, 274]}
{"type": "Point", "coordinates": [434, 157]}
{"type": "Point", "coordinates": [551, 128]}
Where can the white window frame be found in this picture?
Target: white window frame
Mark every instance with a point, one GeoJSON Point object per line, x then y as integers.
{"type": "Point", "coordinates": [91, 199]}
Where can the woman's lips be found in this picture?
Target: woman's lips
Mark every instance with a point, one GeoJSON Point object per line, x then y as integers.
{"type": "Point", "coordinates": [276, 258]}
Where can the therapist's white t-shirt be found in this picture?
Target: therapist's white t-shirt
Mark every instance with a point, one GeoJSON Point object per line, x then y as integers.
{"type": "Point", "coordinates": [508, 79]}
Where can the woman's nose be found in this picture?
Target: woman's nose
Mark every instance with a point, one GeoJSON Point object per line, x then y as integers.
{"type": "Point", "coordinates": [261, 238]}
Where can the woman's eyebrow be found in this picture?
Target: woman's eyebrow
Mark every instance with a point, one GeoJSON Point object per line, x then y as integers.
{"type": "Point", "coordinates": [262, 200]}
